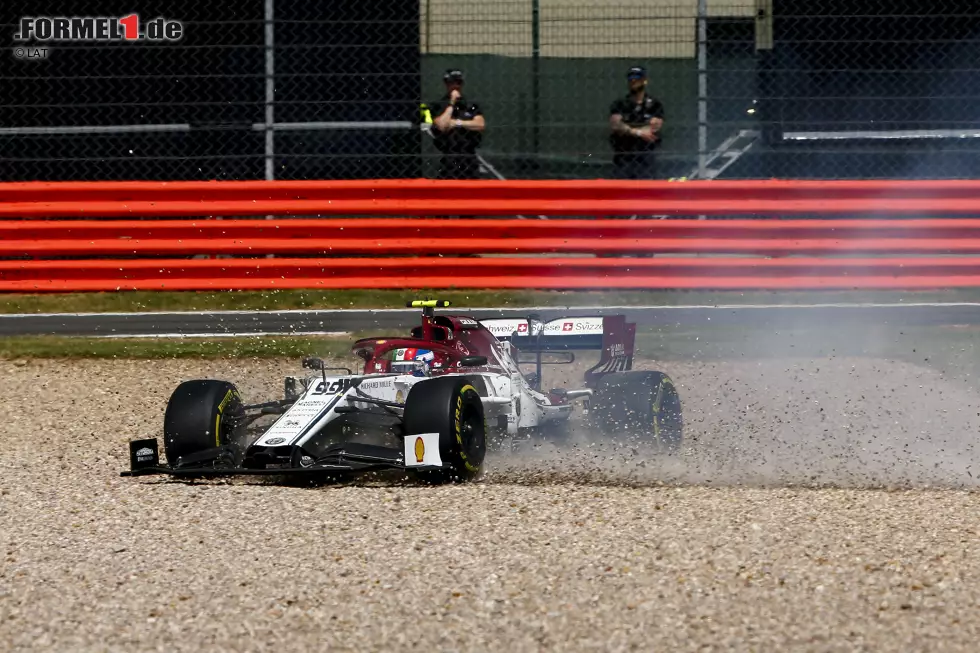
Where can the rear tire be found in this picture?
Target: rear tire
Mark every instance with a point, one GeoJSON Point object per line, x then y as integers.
{"type": "Point", "coordinates": [201, 415]}
{"type": "Point", "coordinates": [641, 405]}
{"type": "Point", "coordinates": [451, 407]}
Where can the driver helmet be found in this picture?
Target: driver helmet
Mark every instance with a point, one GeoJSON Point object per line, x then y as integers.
{"type": "Point", "coordinates": [416, 362]}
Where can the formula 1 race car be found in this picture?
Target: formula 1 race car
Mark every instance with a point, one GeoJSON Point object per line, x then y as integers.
{"type": "Point", "coordinates": [428, 404]}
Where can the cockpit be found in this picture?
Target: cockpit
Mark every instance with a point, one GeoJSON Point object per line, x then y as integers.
{"type": "Point", "coordinates": [439, 344]}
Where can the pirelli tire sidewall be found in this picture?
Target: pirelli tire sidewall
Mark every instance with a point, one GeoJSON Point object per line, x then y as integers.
{"type": "Point", "coordinates": [201, 415]}
{"type": "Point", "coordinates": [640, 404]}
{"type": "Point", "coordinates": [450, 406]}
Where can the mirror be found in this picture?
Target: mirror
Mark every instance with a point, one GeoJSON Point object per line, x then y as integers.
{"type": "Point", "coordinates": [366, 354]}
{"type": "Point", "coordinates": [313, 363]}
{"type": "Point", "coordinates": [472, 361]}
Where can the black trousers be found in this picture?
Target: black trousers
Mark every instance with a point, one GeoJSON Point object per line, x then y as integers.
{"type": "Point", "coordinates": [459, 166]}
{"type": "Point", "coordinates": [634, 165]}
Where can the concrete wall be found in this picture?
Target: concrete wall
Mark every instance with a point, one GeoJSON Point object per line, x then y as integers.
{"type": "Point", "coordinates": [574, 107]}
{"type": "Point", "coordinates": [661, 29]}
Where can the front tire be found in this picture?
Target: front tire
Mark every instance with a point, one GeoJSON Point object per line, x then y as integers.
{"type": "Point", "coordinates": [201, 415]}
{"type": "Point", "coordinates": [451, 407]}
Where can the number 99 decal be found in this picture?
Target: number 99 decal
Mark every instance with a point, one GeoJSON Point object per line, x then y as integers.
{"type": "Point", "coordinates": [334, 387]}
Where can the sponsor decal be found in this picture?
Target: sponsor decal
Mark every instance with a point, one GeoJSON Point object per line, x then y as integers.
{"type": "Point", "coordinates": [221, 411]}
{"type": "Point", "coordinates": [375, 384]}
{"type": "Point", "coordinates": [459, 410]}
{"type": "Point", "coordinates": [617, 349]}
{"type": "Point", "coordinates": [274, 441]}
{"type": "Point", "coordinates": [335, 387]}
{"type": "Point", "coordinates": [400, 397]}
{"type": "Point", "coordinates": [143, 453]}
{"type": "Point", "coordinates": [422, 450]}
{"type": "Point", "coordinates": [311, 403]}
{"type": "Point", "coordinates": [583, 326]}
{"type": "Point", "coordinates": [506, 328]}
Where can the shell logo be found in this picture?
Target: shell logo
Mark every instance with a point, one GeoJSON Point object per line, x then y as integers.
{"type": "Point", "coordinates": [419, 450]}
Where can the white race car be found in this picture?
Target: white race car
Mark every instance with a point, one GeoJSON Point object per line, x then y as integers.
{"type": "Point", "coordinates": [428, 403]}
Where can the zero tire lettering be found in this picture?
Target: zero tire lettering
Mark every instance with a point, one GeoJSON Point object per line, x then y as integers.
{"type": "Point", "coordinates": [459, 427]}
{"type": "Point", "coordinates": [217, 419]}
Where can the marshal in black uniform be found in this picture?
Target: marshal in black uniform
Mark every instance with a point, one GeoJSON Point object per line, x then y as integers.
{"type": "Point", "coordinates": [635, 121]}
{"type": "Point", "coordinates": [457, 125]}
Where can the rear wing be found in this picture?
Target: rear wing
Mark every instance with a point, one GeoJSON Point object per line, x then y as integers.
{"type": "Point", "coordinates": [611, 335]}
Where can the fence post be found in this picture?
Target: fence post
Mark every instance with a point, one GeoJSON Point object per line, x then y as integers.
{"type": "Point", "coordinates": [270, 91]}
{"type": "Point", "coordinates": [535, 81]}
{"type": "Point", "coordinates": [702, 86]}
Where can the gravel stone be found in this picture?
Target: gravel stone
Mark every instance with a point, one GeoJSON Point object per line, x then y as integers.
{"type": "Point", "coordinates": [818, 505]}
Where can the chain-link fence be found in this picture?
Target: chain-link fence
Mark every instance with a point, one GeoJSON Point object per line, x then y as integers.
{"type": "Point", "coordinates": [290, 89]}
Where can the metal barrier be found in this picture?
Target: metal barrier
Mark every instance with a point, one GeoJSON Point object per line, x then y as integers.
{"type": "Point", "coordinates": [489, 273]}
{"type": "Point", "coordinates": [49, 247]}
{"type": "Point", "coordinates": [389, 237]}
{"type": "Point", "coordinates": [487, 197]}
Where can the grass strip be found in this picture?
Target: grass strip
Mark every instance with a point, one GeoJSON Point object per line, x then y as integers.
{"type": "Point", "coordinates": [139, 301]}
{"type": "Point", "coordinates": [21, 347]}
{"type": "Point", "coordinates": [708, 342]}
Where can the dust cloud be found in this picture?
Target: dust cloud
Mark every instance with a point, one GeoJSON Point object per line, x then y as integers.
{"type": "Point", "coordinates": [811, 404]}
{"type": "Point", "coordinates": [807, 402]}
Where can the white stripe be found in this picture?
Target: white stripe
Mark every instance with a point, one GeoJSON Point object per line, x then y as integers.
{"type": "Point", "coordinates": [350, 124]}
{"type": "Point", "coordinates": [220, 335]}
{"type": "Point", "coordinates": [899, 134]}
{"type": "Point", "coordinates": [516, 311]}
{"type": "Point", "coordinates": [96, 129]}
{"type": "Point", "coordinates": [69, 130]}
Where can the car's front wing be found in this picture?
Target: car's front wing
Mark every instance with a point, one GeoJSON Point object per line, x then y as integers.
{"type": "Point", "coordinates": [349, 457]}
